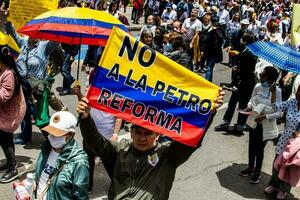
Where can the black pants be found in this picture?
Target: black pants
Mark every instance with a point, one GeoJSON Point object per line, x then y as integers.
{"type": "Point", "coordinates": [241, 96]}
{"type": "Point", "coordinates": [256, 148]}
{"type": "Point", "coordinates": [91, 156]}
{"type": "Point", "coordinates": [7, 144]}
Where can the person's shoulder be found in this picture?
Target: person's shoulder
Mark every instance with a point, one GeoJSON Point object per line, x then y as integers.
{"type": "Point", "coordinates": [257, 86]}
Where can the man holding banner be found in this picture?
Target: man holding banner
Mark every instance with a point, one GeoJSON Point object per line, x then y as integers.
{"type": "Point", "coordinates": [143, 169]}
{"type": "Point", "coordinates": [158, 96]}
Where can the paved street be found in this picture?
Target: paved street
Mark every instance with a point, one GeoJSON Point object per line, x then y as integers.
{"type": "Point", "coordinates": [211, 173]}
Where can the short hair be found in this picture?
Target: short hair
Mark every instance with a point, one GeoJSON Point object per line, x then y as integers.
{"type": "Point", "coordinates": [195, 9]}
{"type": "Point", "coordinates": [146, 31]}
{"type": "Point", "coordinates": [271, 73]}
{"type": "Point", "coordinates": [178, 42]}
{"type": "Point", "coordinates": [248, 38]}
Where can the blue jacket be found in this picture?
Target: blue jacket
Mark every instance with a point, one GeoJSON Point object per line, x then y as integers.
{"type": "Point", "coordinates": [37, 56]}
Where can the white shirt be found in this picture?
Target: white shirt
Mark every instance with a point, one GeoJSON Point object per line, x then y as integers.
{"type": "Point", "coordinates": [224, 17]}
{"type": "Point", "coordinates": [254, 28]}
{"type": "Point", "coordinates": [172, 16]}
{"type": "Point", "coordinates": [275, 37]}
{"type": "Point", "coordinates": [47, 171]}
{"type": "Point", "coordinates": [291, 123]}
{"type": "Point", "coordinates": [233, 27]}
{"type": "Point", "coordinates": [104, 122]}
{"type": "Point", "coordinates": [151, 27]}
{"type": "Point", "coordinates": [191, 27]}
{"type": "Point", "coordinates": [262, 95]}
{"type": "Point", "coordinates": [264, 17]}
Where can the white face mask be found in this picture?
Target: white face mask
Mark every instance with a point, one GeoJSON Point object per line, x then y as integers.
{"type": "Point", "coordinates": [57, 142]}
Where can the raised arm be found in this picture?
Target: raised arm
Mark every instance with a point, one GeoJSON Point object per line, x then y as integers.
{"type": "Point", "coordinates": [21, 41]}
{"type": "Point", "coordinates": [93, 139]}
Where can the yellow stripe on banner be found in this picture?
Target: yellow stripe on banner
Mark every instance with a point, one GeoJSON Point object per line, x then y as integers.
{"type": "Point", "coordinates": [21, 12]}
{"type": "Point", "coordinates": [80, 13]}
{"type": "Point", "coordinates": [3, 39]}
{"type": "Point", "coordinates": [296, 25]}
{"type": "Point", "coordinates": [9, 41]}
{"type": "Point", "coordinates": [163, 69]}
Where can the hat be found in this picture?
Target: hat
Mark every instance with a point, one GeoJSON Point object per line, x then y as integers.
{"type": "Point", "coordinates": [61, 123]}
{"type": "Point", "coordinates": [214, 8]}
{"type": "Point", "coordinates": [203, 14]}
{"type": "Point", "coordinates": [251, 9]}
{"type": "Point", "coordinates": [245, 21]}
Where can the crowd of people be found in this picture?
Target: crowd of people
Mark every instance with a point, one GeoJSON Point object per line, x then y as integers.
{"type": "Point", "coordinates": [195, 34]}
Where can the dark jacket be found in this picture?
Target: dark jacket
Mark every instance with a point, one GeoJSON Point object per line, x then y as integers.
{"type": "Point", "coordinates": [182, 58]}
{"type": "Point", "coordinates": [213, 45]}
{"type": "Point", "coordinates": [134, 174]}
{"type": "Point", "coordinates": [246, 61]}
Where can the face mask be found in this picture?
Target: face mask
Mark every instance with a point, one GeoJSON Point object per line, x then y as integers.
{"type": "Point", "coordinates": [262, 33]}
{"type": "Point", "coordinates": [57, 142]}
{"type": "Point", "coordinates": [265, 84]}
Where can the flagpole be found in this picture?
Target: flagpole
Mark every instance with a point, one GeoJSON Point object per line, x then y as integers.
{"type": "Point", "coordinates": [78, 65]}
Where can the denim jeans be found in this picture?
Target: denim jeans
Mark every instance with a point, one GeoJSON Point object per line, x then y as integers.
{"type": "Point", "coordinates": [66, 73]}
{"type": "Point", "coordinates": [26, 124]}
{"type": "Point", "coordinates": [7, 144]}
{"type": "Point", "coordinates": [135, 15]}
{"type": "Point", "coordinates": [210, 68]}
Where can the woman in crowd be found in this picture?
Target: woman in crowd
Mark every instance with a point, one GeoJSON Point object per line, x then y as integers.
{"type": "Point", "coordinates": [147, 38]}
{"type": "Point", "coordinates": [292, 110]}
{"type": "Point", "coordinates": [262, 122]}
{"type": "Point", "coordinates": [12, 111]}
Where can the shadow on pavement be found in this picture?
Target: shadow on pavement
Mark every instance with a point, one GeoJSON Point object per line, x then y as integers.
{"type": "Point", "coordinates": [37, 140]}
{"type": "Point", "coordinates": [229, 178]}
{"type": "Point", "coordinates": [101, 183]}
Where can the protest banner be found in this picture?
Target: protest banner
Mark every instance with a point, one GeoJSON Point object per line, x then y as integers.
{"type": "Point", "coordinates": [296, 24]}
{"type": "Point", "coordinates": [140, 85]}
{"type": "Point", "coordinates": [21, 12]}
{"type": "Point", "coordinates": [7, 40]}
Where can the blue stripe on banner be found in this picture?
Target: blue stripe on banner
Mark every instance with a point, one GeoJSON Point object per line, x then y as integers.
{"type": "Point", "coordinates": [193, 118]}
{"type": "Point", "coordinates": [82, 22]}
{"type": "Point", "coordinates": [72, 34]}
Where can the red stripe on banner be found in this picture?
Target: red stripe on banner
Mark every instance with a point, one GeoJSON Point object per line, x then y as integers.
{"type": "Point", "coordinates": [92, 30]}
{"type": "Point", "coordinates": [190, 134]}
{"type": "Point", "coordinates": [66, 39]}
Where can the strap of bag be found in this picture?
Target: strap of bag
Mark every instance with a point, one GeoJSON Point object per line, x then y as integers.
{"type": "Point", "coordinates": [49, 182]}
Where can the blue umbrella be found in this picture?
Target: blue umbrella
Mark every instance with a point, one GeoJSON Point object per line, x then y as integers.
{"type": "Point", "coordinates": [280, 56]}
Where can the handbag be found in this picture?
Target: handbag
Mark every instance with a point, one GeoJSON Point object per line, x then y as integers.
{"type": "Point", "coordinates": [41, 114]}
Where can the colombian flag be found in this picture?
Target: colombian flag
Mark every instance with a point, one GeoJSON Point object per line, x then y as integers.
{"type": "Point", "coordinates": [144, 87]}
{"type": "Point", "coordinates": [73, 25]}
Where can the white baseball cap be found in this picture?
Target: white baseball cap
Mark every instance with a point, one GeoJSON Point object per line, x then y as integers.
{"type": "Point", "coordinates": [61, 123]}
{"type": "Point", "coordinates": [245, 21]}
